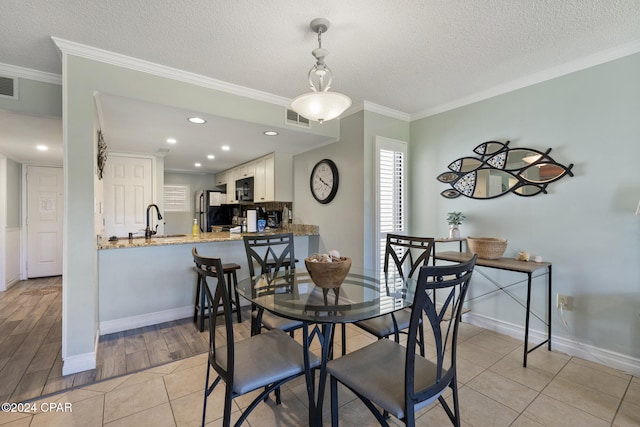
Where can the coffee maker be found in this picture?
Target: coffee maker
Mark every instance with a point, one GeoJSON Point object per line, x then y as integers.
{"type": "Point", "coordinates": [273, 219]}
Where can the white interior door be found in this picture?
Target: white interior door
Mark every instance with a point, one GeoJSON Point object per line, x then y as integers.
{"type": "Point", "coordinates": [44, 221]}
{"type": "Point", "coordinates": [128, 184]}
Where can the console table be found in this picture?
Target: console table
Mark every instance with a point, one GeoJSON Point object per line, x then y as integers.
{"type": "Point", "coordinates": [510, 264]}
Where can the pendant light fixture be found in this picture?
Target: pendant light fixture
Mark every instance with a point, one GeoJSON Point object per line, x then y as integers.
{"type": "Point", "coordinates": [320, 104]}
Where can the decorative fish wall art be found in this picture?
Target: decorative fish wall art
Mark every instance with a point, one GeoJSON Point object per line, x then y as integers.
{"type": "Point", "coordinates": [499, 170]}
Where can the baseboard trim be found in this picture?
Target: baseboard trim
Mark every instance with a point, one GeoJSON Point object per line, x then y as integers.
{"type": "Point", "coordinates": [126, 323]}
{"type": "Point", "coordinates": [568, 346]}
{"type": "Point", "coordinates": [79, 363]}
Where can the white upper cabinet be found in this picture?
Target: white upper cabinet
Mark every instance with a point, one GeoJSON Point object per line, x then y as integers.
{"type": "Point", "coordinates": [245, 171]}
{"type": "Point", "coordinates": [221, 179]}
{"type": "Point", "coordinates": [272, 178]}
{"type": "Point", "coordinates": [277, 181]}
{"type": "Point", "coordinates": [260, 183]}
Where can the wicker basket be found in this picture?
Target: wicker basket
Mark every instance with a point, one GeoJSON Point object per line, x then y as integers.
{"type": "Point", "coordinates": [487, 247]}
{"type": "Point", "coordinates": [328, 274]}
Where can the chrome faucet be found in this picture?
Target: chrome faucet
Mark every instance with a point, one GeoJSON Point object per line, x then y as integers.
{"type": "Point", "coordinates": [147, 231]}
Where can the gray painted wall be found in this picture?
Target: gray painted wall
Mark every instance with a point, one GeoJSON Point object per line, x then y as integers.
{"type": "Point", "coordinates": [35, 97]}
{"type": "Point", "coordinates": [586, 224]}
{"type": "Point", "coordinates": [340, 220]}
{"type": "Point", "coordinates": [181, 222]}
{"type": "Point", "coordinates": [14, 194]}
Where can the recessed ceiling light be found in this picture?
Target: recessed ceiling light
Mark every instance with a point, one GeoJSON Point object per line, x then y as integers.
{"type": "Point", "coordinates": [270, 133]}
{"type": "Point", "coordinates": [197, 165]}
{"type": "Point", "coordinates": [211, 157]}
{"type": "Point", "coordinates": [225, 148]}
{"type": "Point", "coordinates": [42, 147]}
{"type": "Point", "coordinates": [171, 140]}
{"type": "Point", "coordinates": [197, 120]}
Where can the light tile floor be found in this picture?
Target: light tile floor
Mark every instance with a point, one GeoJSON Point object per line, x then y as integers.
{"type": "Point", "coordinates": [495, 390]}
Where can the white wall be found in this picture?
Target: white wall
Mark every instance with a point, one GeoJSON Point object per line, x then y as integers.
{"type": "Point", "coordinates": [586, 224]}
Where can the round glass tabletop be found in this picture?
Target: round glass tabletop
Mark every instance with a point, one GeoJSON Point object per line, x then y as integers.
{"type": "Point", "coordinates": [363, 294]}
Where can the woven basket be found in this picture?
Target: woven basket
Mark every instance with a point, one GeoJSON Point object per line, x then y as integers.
{"type": "Point", "coordinates": [487, 247]}
{"type": "Point", "coordinates": [328, 274]}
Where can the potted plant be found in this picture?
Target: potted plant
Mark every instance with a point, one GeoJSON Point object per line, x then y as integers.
{"type": "Point", "coordinates": [454, 219]}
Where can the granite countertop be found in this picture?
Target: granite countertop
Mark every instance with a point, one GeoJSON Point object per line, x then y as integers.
{"type": "Point", "coordinates": [184, 239]}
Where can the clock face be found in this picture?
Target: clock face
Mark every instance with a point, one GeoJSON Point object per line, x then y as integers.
{"type": "Point", "coordinates": [324, 181]}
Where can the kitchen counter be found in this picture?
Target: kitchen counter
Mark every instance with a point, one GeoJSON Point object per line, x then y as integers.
{"type": "Point", "coordinates": [186, 239]}
{"type": "Point", "coordinates": [150, 281]}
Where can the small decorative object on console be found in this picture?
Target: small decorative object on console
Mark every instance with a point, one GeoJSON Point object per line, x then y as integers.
{"type": "Point", "coordinates": [454, 219]}
{"type": "Point", "coordinates": [523, 256]}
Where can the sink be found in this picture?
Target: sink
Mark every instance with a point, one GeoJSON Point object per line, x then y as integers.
{"type": "Point", "coordinates": [157, 236]}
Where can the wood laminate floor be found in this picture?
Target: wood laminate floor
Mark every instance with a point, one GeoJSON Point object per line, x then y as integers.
{"type": "Point", "coordinates": [31, 343]}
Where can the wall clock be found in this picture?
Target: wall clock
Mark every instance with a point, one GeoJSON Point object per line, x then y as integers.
{"type": "Point", "coordinates": [324, 181]}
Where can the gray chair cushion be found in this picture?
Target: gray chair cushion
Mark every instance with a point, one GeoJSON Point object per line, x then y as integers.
{"type": "Point", "coordinates": [273, 321]}
{"type": "Point", "coordinates": [264, 359]}
{"type": "Point", "coordinates": [377, 372]}
{"type": "Point", "coordinates": [382, 326]}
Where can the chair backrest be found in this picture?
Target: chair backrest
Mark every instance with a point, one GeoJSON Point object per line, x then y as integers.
{"type": "Point", "coordinates": [211, 268]}
{"type": "Point", "coordinates": [408, 253]}
{"type": "Point", "coordinates": [452, 282]}
{"type": "Point", "coordinates": [271, 254]}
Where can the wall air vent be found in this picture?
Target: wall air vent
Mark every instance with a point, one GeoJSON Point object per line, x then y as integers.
{"type": "Point", "coordinates": [295, 119]}
{"type": "Point", "coordinates": [8, 87]}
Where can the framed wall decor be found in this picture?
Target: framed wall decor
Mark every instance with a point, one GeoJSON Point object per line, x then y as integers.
{"type": "Point", "coordinates": [102, 154]}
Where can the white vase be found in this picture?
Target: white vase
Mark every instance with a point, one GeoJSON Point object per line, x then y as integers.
{"type": "Point", "coordinates": [454, 232]}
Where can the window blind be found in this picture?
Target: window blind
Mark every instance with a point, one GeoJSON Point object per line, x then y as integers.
{"type": "Point", "coordinates": [176, 198]}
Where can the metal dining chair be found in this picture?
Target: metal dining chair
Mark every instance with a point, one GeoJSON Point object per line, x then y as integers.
{"type": "Point", "coordinates": [265, 361]}
{"type": "Point", "coordinates": [414, 381]}
{"type": "Point", "coordinates": [269, 256]}
{"type": "Point", "coordinates": [404, 255]}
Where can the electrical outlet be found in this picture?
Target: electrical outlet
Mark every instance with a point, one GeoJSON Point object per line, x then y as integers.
{"type": "Point", "coordinates": [565, 302]}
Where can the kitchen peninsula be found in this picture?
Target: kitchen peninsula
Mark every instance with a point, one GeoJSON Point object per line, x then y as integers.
{"type": "Point", "coordinates": [148, 281]}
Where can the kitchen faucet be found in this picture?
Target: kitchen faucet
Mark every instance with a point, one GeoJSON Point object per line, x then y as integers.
{"type": "Point", "coordinates": [147, 231]}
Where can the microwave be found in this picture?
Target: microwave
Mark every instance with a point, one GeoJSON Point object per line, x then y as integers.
{"type": "Point", "coordinates": [244, 190]}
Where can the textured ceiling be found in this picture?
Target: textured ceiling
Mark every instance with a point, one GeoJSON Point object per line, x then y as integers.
{"type": "Point", "coordinates": [407, 55]}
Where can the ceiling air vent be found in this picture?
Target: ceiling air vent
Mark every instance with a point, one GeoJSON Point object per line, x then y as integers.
{"type": "Point", "coordinates": [8, 87]}
{"type": "Point", "coordinates": [296, 119]}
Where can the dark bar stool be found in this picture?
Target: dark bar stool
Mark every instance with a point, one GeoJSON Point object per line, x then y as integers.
{"type": "Point", "coordinates": [200, 305]}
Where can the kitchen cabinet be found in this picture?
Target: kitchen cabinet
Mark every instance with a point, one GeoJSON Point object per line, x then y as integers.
{"type": "Point", "coordinates": [245, 171]}
{"type": "Point", "coordinates": [221, 179]}
{"type": "Point", "coordinates": [231, 186]}
{"type": "Point", "coordinates": [272, 178]}
{"type": "Point", "coordinates": [260, 181]}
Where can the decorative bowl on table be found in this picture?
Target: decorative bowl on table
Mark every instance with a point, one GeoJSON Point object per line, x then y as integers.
{"type": "Point", "coordinates": [328, 274]}
{"type": "Point", "coordinates": [487, 247]}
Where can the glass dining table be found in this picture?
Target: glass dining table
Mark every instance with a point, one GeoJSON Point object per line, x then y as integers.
{"type": "Point", "coordinates": [364, 294]}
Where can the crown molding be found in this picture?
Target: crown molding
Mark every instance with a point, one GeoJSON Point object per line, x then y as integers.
{"type": "Point", "coordinates": [386, 111]}
{"type": "Point", "coordinates": [542, 76]}
{"type": "Point", "coordinates": [101, 55]}
{"type": "Point", "coordinates": [27, 73]}
{"type": "Point", "coordinates": [376, 108]}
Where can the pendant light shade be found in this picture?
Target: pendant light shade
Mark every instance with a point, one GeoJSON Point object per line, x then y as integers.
{"type": "Point", "coordinates": [320, 105]}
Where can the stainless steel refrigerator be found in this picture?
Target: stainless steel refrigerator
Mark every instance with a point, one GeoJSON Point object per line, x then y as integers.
{"type": "Point", "coordinates": [211, 209]}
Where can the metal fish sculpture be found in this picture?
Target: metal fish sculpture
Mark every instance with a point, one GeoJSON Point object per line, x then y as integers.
{"type": "Point", "coordinates": [499, 170]}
